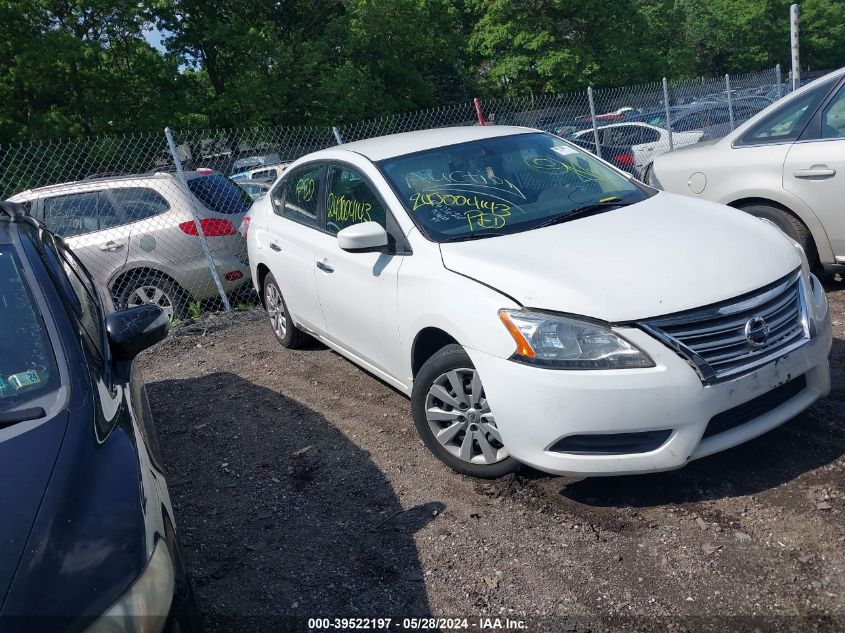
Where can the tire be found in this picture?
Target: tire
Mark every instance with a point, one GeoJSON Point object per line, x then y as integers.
{"type": "Point", "coordinates": [488, 458]}
{"type": "Point", "coordinates": [787, 223]}
{"type": "Point", "coordinates": [288, 334]}
{"type": "Point", "coordinates": [155, 288]}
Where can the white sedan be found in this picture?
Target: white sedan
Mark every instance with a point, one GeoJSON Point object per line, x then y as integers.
{"type": "Point", "coordinates": [633, 146]}
{"type": "Point", "coordinates": [539, 306]}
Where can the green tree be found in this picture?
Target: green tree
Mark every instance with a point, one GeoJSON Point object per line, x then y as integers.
{"type": "Point", "coordinates": [319, 61]}
{"type": "Point", "coordinates": [70, 67]}
{"type": "Point", "coordinates": [557, 45]}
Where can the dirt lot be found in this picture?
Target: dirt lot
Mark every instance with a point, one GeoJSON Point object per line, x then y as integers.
{"type": "Point", "coordinates": [301, 489]}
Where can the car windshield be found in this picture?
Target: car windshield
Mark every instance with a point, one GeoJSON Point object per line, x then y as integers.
{"type": "Point", "coordinates": [503, 185]}
{"type": "Point", "coordinates": [220, 194]}
{"type": "Point", "coordinates": [27, 365]}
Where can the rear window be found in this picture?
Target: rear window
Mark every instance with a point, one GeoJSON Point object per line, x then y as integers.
{"type": "Point", "coordinates": [220, 194]}
{"type": "Point", "coordinates": [27, 364]}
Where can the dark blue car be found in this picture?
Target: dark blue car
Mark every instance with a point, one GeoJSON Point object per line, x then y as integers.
{"type": "Point", "coordinates": [86, 524]}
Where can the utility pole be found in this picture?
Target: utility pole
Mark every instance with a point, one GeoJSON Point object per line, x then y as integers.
{"type": "Point", "coordinates": [793, 37]}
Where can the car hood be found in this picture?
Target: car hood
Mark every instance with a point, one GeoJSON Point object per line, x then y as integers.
{"type": "Point", "coordinates": [27, 460]}
{"type": "Point", "coordinates": [663, 255]}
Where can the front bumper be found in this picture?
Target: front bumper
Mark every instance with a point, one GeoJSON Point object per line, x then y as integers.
{"type": "Point", "coordinates": [534, 408]}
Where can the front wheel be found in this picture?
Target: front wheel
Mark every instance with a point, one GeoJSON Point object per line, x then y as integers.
{"type": "Point", "coordinates": [454, 419]}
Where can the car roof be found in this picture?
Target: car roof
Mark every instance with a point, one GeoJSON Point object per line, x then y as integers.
{"type": "Point", "coordinates": [390, 146]}
{"type": "Point", "coordinates": [98, 182]}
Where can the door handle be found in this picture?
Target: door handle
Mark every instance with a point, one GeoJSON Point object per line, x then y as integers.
{"type": "Point", "coordinates": [325, 266]}
{"type": "Point", "coordinates": [275, 247]}
{"type": "Point", "coordinates": [816, 171]}
{"type": "Point", "coordinates": [111, 245]}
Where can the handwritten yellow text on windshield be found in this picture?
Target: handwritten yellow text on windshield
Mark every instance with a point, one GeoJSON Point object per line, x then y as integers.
{"type": "Point", "coordinates": [548, 165]}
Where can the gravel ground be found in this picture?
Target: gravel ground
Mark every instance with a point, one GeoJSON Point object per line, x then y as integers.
{"type": "Point", "coordinates": [302, 490]}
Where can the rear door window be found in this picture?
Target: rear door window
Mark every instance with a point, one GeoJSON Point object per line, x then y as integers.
{"type": "Point", "coordinates": [109, 215]}
{"type": "Point", "coordinates": [300, 191]}
{"type": "Point", "coordinates": [139, 203]}
{"type": "Point", "coordinates": [27, 363]}
{"type": "Point", "coordinates": [645, 135]}
{"type": "Point", "coordinates": [74, 214]}
{"type": "Point", "coordinates": [219, 194]}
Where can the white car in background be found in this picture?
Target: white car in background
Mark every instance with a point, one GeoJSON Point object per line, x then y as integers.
{"type": "Point", "coordinates": [633, 146]}
{"type": "Point", "coordinates": [539, 306]}
{"type": "Point", "coordinates": [786, 165]}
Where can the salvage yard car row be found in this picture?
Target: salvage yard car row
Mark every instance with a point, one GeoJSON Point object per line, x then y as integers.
{"type": "Point", "coordinates": [537, 305]}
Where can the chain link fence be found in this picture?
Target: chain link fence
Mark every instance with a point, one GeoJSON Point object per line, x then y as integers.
{"type": "Point", "coordinates": [155, 217]}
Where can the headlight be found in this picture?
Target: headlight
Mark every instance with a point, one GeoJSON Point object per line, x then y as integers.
{"type": "Point", "coordinates": [145, 606]}
{"type": "Point", "coordinates": [558, 342]}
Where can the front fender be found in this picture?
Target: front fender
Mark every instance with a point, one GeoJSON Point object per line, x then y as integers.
{"type": "Point", "coordinates": [471, 318]}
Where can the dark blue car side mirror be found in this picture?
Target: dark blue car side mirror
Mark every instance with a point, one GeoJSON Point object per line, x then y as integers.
{"type": "Point", "coordinates": [133, 330]}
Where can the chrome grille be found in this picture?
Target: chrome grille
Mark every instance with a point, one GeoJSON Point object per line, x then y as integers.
{"type": "Point", "coordinates": [726, 339]}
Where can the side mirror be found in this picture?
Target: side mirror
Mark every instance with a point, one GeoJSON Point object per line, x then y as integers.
{"type": "Point", "coordinates": [133, 330]}
{"type": "Point", "coordinates": [362, 238]}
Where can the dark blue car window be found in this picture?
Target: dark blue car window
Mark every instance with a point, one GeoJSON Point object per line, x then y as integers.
{"type": "Point", "coordinates": [220, 194]}
{"type": "Point", "coordinates": [27, 363]}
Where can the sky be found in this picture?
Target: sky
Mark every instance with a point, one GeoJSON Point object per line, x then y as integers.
{"type": "Point", "coordinates": [154, 37]}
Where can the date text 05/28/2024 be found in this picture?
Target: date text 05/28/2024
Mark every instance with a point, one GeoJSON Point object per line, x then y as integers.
{"type": "Point", "coordinates": [415, 624]}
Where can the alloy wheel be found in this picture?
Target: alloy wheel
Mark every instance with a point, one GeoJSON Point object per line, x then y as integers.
{"type": "Point", "coordinates": [460, 418]}
{"type": "Point", "coordinates": [276, 310]}
{"type": "Point", "coordinates": [151, 294]}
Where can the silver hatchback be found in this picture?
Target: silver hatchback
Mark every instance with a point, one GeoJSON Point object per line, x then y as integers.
{"type": "Point", "coordinates": [137, 235]}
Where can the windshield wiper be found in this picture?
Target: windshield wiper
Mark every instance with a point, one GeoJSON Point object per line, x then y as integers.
{"type": "Point", "coordinates": [580, 212]}
{"type": "Point", "coordinates": [8, 418]}
{"type": "Point", "coordinates": [468, 237]}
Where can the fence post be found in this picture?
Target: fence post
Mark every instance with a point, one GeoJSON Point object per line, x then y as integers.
{"type": "Point", "coordinates": [337, 136]}
{"type": "Point", "coordinates": [794, 41]}
{"type": "Point", "coordinates": [181, 174]}
{"type": "Point", "coordinates": [477, 103]}
{"type": "Point", "coordinates": [780, 81]}
{"type": "Point", "coordinates": [668, 115]}
{"type": "Point", "coordinates": [593, 117]}
{"type": "Point", "coordinates": [730, 100]}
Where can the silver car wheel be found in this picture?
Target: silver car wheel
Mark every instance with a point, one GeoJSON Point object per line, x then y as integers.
{"type": "Point", "coordinates": [276, 310]}
{"type": "Point", "coordinates": [151, 294]}
{"type": "Point", "coordinates": [460, 418]}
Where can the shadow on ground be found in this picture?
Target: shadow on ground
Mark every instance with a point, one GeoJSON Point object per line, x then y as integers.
{"type": "Point", "coordinates": [279, 513]}
{"type": "Point", "coordinates": [811, 440]}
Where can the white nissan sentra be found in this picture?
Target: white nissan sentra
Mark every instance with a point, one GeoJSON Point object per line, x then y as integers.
{"type": "Point", "coordinates": [538, 305]}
